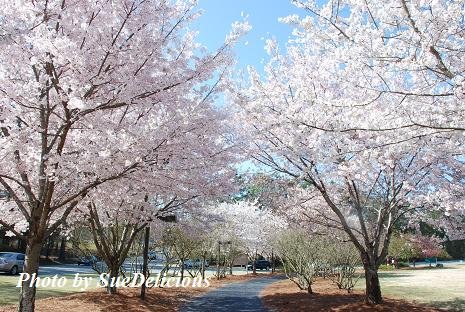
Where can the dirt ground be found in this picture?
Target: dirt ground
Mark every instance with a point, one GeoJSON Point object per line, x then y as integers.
{"type": "Point", "coordinates": [158, 299]}
{"type": "Point", "coordinates": [285, 296]}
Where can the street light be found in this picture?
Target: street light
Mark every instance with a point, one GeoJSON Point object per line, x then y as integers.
{"type": "Point", "coordinates": [218, 259]}
{"type": "Point", "coordinates": [145, 264]}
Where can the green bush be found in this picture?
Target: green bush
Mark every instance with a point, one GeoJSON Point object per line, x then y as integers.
{"type": "Point", "coordinates": [403, 265]}
{"type": "Point", "coordinates": [385, 267]}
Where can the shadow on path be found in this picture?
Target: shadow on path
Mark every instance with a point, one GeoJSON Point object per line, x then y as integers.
{"type": "Point", "coordinates": [237, 297]}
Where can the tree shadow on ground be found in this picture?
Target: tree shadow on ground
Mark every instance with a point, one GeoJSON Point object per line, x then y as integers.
{"type": "Point", "coordinates": [350, 303]}
{"type": "Point", "coordinates": [456, 304]}
{"type": "Point", "coordinates": [157, 299]}
{"type": "Point", "coordinates": [392, 275]}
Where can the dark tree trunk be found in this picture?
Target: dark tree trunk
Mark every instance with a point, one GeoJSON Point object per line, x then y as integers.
{"type": "Point", "coordinates": [57, 247]}
{"type": "Point", "coordinates": [309, 289]}
{"type": "Point", "coordinates": [203, 266]}
{"type": "Point", "coordinates": [218, 261]}
{"type": "Point", "coordinates": [273, 268]}
{"type": "Point", "coordinates": [62, 256]}
{"type": "Point", "coordinates": [182, 271]}
{"type": "Point", "coordinates": [113, 275]}
{"type": "Point", "coordinates": [48, 248]}
{"type": "Point", "coordinates": [22, 245]}
{"type": "Point", "coordinates": [145, 269]}
{"type": "Point", "coordinates": [31, 266]}
{"type": "Point", "coordinates": [254, 264]}
{"type": "Point", "coordinates": [373, 288]}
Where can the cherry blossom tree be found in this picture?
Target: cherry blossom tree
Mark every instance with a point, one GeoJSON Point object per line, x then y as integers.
{"type": "Point", "coordinates": [395, 54]}
{"type": "Point", "coordinates": [429, 247]}
{"type": "Point", "coordinates": [115, 228]}
{"type": "Point", "coordinates": [92, 92]}
{"type": "Point", "coordinates": [414, 246]}
{"type": "Point", "coordinates": [246, 224]}
{"type": "Point", "coordinates": [364, 112]}
{"type": "Point", "coordinates": [142, 200]}
{"type": "Point", "coordinates": [402, 60]}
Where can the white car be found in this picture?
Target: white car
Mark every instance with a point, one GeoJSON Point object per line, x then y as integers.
{"type": "Point", "coordinates": [11, 262]}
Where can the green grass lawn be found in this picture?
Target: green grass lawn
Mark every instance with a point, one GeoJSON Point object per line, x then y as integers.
{"type": "Point", "coordinates": [9, 293]}
{"type": "Point", "coordinates": [443, 288]}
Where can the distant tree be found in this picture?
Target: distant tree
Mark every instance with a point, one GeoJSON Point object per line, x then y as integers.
{"type": "Point", "coordinates": [183, 244]}
{"type": "Point", "coordinates": [429, 247]}
{"type": "Point", "coordinates": [301, 256]}
{"type": "Point", "coordinates": [343, 260]}
{"type": "Point", "coordinates": [247, 225]}
{"type": "Point", "coordinates": [402, 247]}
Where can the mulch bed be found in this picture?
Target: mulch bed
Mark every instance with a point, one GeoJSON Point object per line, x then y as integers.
{"type": "Point", "coordinates": [285, 296]}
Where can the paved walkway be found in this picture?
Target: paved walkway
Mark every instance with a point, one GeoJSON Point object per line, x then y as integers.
{"type": "Point", "coordinates": [234, 297]}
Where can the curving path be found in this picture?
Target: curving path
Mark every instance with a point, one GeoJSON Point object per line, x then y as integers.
{"type": "Point", "coordinates": [237, 297]}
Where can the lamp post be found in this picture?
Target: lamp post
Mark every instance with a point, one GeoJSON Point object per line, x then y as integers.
{"type": "Point", "coordinates": [272, 261]}
{"type": "Point", "coordinates": [145, 265]}
{"type": "Point", "coordinates": [218, 259]}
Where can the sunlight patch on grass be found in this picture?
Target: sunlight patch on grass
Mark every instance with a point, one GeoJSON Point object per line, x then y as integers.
{"type": "Point", "coordinates": [443, 288]}
{"type": "Point", "coordinates": [9, 293]}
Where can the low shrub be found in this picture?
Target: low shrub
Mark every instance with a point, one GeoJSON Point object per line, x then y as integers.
{"type": "Point", "coordinates": [385, 267]}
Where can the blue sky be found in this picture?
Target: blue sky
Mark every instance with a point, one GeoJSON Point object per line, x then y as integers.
{"type": "Point", "coordinates": [215, 24]}
{"type": "Point", "coordinates": [263, 16]}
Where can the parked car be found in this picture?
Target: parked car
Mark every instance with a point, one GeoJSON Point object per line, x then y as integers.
{"type": "Point", "coordinates": [87, 260]}
{"type": "Point", "coordinates": [260, 265]}
{"type": "Point", "coordinates": [4, 194]}
{"type": "Point", "coordinates": [195, 264]}
{"type": "Point", "coordinates": [11, 262]}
